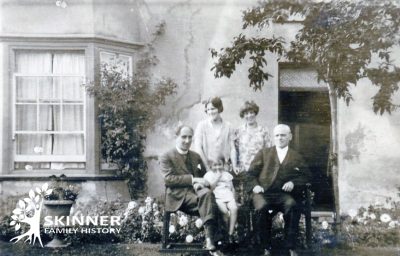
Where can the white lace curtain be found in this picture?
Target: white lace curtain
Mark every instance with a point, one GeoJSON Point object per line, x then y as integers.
{"type": "Point", "coordinates": [60, 107]}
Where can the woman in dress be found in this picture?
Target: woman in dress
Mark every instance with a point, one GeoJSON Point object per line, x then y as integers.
{"type": "Point", "coordinates": [213, 136]}
{"type": "Point", "coordinates": [250, 137]}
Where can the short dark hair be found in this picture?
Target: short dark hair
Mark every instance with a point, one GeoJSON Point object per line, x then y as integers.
{"type": "Point", "coordinates": [219, 158]}
{"type": "Point", "coordinates": [216, 102]}
{"type": "Point", "coordinates": [249, 106]}
{"type": "Point", "coordinates": [179, 128]}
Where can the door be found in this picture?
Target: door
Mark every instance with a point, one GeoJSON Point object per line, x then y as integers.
{"type": "Point", "coordinates": [308, 115]}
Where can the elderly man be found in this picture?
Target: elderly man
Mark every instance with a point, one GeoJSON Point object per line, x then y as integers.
{"type": "Point", "coordinates": [187, 191]}
{"type": "Point", "coordinates": [275, 178]}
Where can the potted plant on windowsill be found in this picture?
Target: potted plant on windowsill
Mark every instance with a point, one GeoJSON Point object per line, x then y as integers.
{"type": "Point", "coordinates": [58, 203]}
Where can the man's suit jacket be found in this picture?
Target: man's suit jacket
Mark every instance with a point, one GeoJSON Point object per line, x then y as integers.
{"type": "Point", "coordinates": [264, 169]}
{"type": "Point", "coordinates": [178, 178]}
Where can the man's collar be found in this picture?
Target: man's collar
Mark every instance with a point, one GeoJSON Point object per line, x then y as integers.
{"type": "Point", "coordinates": [180, 151]}
{"type": "Point", "coordinates": [282, 149]}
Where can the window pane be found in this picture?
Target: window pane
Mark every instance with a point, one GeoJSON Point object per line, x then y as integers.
{"type": "Point", "coordinates": [73, 90]}
{"type": "Point", "coordinates": [34, 144]}
{"type": "Point", "coordinates": [72, 118]}
{"type": "Point", "coordinates": [25, 118]}
{"type": "Point", "coordinates": [68, 144]}
{"type": "Point", "coordinates": [49, 118]}
{"type": "Point", "coordinates": [49, 89]}
{"type": "Point", "coordinates": [30, 166]}
{"type": "Point", "coordinates": [26, 89]}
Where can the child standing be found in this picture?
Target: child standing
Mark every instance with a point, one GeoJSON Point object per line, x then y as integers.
{"type": "Point", "coordinates": [221, 183]}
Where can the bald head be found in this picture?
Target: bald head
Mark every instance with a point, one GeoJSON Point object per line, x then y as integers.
{"type": "Point", "coordinates": [282, 135]}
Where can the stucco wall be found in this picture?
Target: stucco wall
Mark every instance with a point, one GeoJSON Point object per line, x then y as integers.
{"type": "Point", "coordinates": [192, 27]}
{"type": "Point", "coordinates": [369, 146]}
{"type": "Point", "coordinates": [369, 143]}
{"type": "Point", "coordinates": [117, 19]}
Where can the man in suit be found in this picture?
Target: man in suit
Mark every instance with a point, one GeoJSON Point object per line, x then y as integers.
{"type": "Point", "coordinates": [275, 179]}
{"type": "Point", "coordinates": [183, 172]}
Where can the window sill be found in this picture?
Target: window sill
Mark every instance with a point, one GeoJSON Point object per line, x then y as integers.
{"type": "Point", "coordinates": [44, 175]}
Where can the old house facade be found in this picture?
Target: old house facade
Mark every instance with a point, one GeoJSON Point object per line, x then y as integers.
{"type": "Point", "coordinates": [49, 125]}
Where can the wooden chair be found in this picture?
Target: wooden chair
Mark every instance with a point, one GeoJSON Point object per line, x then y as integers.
{"type": "Point", "coordinates": [182, 248]}
{"type": "Point", "coordinates": [306, 207]}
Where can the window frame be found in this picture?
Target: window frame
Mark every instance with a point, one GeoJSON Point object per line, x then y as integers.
{"type": "Point", "coordinates": [89, 113]}
{"type": "Point", "coordinates": [47, 158]}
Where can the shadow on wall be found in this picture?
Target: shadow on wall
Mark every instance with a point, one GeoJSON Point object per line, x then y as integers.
{"type": "Point", "coordinates": [354, 142]}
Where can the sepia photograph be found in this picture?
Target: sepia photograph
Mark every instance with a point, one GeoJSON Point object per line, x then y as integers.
{"type": "Point", "coordinates": [200, 127]}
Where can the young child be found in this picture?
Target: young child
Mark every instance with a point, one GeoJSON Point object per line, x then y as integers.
{"type": "Point", "coordinates": [221, 183]}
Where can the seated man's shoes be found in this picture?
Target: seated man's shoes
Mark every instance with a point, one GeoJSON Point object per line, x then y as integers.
{"type": "Point", "coordinates": [293, 253]}
{"type": "Point", "coordinates": [267, 252]}
{"type": "Point", "coordinates": [231, 240]}
{"type": "Point", "coordinates": [209, 244]}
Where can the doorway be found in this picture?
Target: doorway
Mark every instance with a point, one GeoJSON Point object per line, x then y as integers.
{"type": "Point", "coordinates": [308, 115]}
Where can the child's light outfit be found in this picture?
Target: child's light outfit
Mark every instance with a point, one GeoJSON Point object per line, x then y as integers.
{"type": "Point", "coordinates": [222, 181]}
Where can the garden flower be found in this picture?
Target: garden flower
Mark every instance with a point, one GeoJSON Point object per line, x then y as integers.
{"type": "Point", "coordinates": [325, 225]}
{"type": "Point", "coordinates": [141, 210]}
{"type": "Point", "coordinates": [352, 213]}
{"type": "Point", "coordinates": [372, 216]}
{"type": "Point", "coordinates": [148, 200]}
{"type": "Point", "coordinates": [171, 229]}
{"type": "Point", "coordinates": [385, 218]}
{"type": "Point", "coordinates": [132, 205]}
{"type": "Point", "coordinates": [189, 239]}
{"type": "Point", "coordinates": [183, 221]}
{"type": "Point", "coordinates": [155, 206]}
{"type": "Point", "coordinates": [199, 223]}
{"type": "Point", "coordinates": [392, 224]}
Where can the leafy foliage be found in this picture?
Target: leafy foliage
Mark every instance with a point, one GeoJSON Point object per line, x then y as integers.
{"type": "Point", "coordinates": [128, 106]}
{"type": "Point", "coordinates": [60, 190]}
{"type": "Point", "coordinates": [372, 227]}
{"type": "Point", "coordinates": [339, 38]}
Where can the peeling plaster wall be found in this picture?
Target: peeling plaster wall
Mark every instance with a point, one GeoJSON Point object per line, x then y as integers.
{"type": "Point", "coordinates": [369, 146]}
{"type": "Point", "coordinates": [192, 27]}
{"type": "Point", "coordinates": [368, 143]}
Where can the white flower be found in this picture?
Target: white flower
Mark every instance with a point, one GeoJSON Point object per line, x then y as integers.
{"type": "Point", "coordinates": [141, 210]}
{"type": "Point", "coordinates": [392, 224]}
{"type": "Point", "coordinates": [385, 218]}
{"type": "Point", "coordinates": [183, 221]}
{"type": "Point", "coordinates": [325, 225]}
{"type": "Point", "coordinates": [199, 223]}
{"type": "Point", "coordinates": [372, 216]}
{"type": "Point", "coordinates": [28, 167]}
{"type": "Point", "coordinates": [352, 213]}
{"type": "Point", "coordinates": [198, 166]}
{"type": "Point", "coordinates": [155, 206]}
{"type": "Point", "coordinates": [189, 239]}
{"type": "Point", "coordinates": [38, 149]}
{"type": "Point", "coordinates": [58, 2]}
{"type": "Point", "coordinates": [132, 205]}
{"type": "Point", "coordinates": [148, 200]}
{"type": "Point", "coordinates": [156, 213]}
{"type": "Point", "coordinates": [171, 229]}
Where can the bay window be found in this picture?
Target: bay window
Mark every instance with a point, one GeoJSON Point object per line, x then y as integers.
{"type": "Point", "coordinates": [49, 105]}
